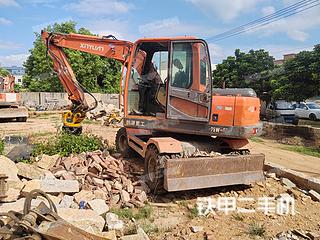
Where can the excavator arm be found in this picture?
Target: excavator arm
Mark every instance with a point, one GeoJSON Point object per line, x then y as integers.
{"type": "Point", "coordinates": [108, 47]}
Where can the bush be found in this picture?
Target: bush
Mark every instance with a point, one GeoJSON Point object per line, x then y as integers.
{"type": "Point", "coordinates": [1, 146]}
{"type": "Point", "coordinates": [65, 144]}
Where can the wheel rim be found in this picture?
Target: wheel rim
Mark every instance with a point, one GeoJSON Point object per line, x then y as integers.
{"type": "Point", "coordinates": [122, 143]}
{"type": "Point", "coordinates": [152, 168]}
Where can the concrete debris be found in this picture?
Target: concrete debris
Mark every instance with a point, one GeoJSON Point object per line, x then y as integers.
{"type": "Point", "coordinates": [114, 223]}
{"type": "Point", "coordinates": [297, 235]}
{"type": "Point", "coordinates": [85, 219]}
{"type": "Point", "coordinates": [66, 201]}
{"type": "Point", "coordinates": [196, 229]}
{"type": "Point", "coordinates": [29, 171]}
{"type": "Point", "coordinates": [314, 195]}
{"type": "Point", "coordinates": [99, 206]}
{"type": "Point", "coordinates": [102, 177]}
{"type": "Point", "coordinates": [106, 114]}
{"type": "Point", "coordinates": [287, 183]}
{"type": "Point", "coordinates": [52, 186]}
{"type": "Point", "coordinates": [8, 168]}
{"type": "Point", "coordinates": [140, 235]}
{"type": "Point", "coordinates": [46, 162]}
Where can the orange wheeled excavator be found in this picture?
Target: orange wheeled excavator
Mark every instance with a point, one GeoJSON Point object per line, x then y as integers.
{"type": "Point", "coordinates": [190, 135]}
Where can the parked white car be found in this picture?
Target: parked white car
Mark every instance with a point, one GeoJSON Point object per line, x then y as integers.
{"type": "Point", "coordinates": [309, 110]}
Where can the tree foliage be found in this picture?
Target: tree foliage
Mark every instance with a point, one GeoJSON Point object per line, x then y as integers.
{"type": "Point", "coordinates": [3, 72]}
{"type": "Point", "coordinates": [244, 70]}
{"type": "Point", "coordinates": [301, 77]}
{"type": "Point", "coordinates": [297, 80]}
{"type": "Point", "coordinates": [95, 73]}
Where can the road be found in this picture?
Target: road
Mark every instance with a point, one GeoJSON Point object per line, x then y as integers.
{"type": "Point", "coordinates": [299, 162]}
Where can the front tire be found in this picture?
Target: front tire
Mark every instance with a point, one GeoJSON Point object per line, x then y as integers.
{"type": "Point", "coordinates": [154, 169]}
{"type": "Point", "coordinates": [122, 145]}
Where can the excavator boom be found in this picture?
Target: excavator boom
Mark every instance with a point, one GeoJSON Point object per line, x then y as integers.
{"type": "Point", "coordinates": [102, 46]}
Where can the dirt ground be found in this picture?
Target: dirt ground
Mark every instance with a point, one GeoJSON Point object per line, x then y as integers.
{"type": "Point", "coordinates": [173, 213]}
{"type": "Point", "coordinates": [42, 125]}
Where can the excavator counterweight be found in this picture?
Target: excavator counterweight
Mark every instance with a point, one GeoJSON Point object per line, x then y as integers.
{"type": "Point", "coordinates": [190, 135]}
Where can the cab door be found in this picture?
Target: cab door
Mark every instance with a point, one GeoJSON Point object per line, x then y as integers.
{"type": "Point", "coordinates": [189, 88]}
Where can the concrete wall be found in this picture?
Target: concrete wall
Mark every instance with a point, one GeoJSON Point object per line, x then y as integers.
{"type": "Point", "coordinates": [56, 100]}
{"type": "Point", "coordinates": [309, 135]}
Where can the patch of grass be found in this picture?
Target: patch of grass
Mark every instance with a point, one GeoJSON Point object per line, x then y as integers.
{"type": "Point", "coordinates": [149, 228]}
{"type": "Point", "coordinates": [128, 213]}
{"type": "Point", "coordinates": [144, 213]}
{"type": "Point", "coordinates": [256, 139]}
{"type": "Point", "coordinates": [90, 121]}
{"type": "Point", "coordinates": [123, 213]}
{"type": "Point", "coordinates": [193, 213]}
{"type": "Point", "coordinates": [311, 151]}
{"type": "Point", "coordinates": [238, 217]}
{"type": "Point", "coordinates": [256, 229]}
{"type": "Point", "coordinates": [1, 146]}
{"type": "Point", "coordinates": [65, 144]}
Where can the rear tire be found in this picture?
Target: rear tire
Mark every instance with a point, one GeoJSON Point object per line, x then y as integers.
{"type": "Point", "coordinates": [122, 145]}
{"type": "Point", "coordinates": [312, 117]}
{"type": "Point", "coordinates": [154, 169]}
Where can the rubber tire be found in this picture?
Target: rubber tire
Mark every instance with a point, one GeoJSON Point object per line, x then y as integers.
{"type": "Point", "coordinates": [122, 145]}
{"type": "Point", "coordinates": [312, 117]}
{"type": "Point", "coordinates": [21, 119]}
{"type": "Point", "coordinates": [154, 173]}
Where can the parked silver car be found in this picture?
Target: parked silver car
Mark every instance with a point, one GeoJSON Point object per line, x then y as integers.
{"type": "Point", "coordinates": [308, 110]}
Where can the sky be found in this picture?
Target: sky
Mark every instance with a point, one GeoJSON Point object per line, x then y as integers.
{"type": "Point", "coordinates": [130, 20]}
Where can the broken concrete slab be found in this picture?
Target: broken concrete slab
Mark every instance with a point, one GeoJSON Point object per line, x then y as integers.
{"type": "Point", "coordinates": [113, 222]}
{"type": "Point", "coordinates": [52, 186]}
{"type": "Point", "coordinates": [287, 183]}
{"type": "Point", "coordinates": [66, 201]}
{"type": "Point", "coordinates": [86, 219]}
{"type": "Point", "coordinates": [99, 206]}
{"type": "Point", "coordinates": [18, 205]}
{"type": "Point", "coordinates": [8, 168]}
{"type": "Point", "coordinates": [83, 195]}
{"type": "Point", "coordinates": [46, 162]}
{"type": "Point", "coordinates": [29, 171]}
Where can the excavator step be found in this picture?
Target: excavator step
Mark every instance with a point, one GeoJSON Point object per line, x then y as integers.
{"type": "Point", "coordinates": [205, 172]}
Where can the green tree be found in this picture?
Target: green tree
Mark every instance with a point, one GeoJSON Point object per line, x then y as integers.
{"type": "Point", "coordinates": [3, 72]}
{"type": "Point", "coordinates": [95, 73]}
{"type": "Point", "coordinates": [245, 70]}
{"type": "Point", "coordinates": [301, 77]}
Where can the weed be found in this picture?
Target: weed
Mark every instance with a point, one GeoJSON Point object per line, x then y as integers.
{"type": "Point", "coordinates": [123, 213]}
{"type": "Point", "coordinates": [193, 212]}
{"type": "Point", "coordinates": [1, 146]}
{"type": "Point", "coordinates": [238, 217]}
{"type": "Point", "coordinates": [90, 121]}
{"type": "Point", "coordinates": [256, 139]}
{"type": "Point", "coordinates": [128, 213]}
{"type": "Point", "coordinates": [256, 229]}
{"type": "Point", "coordinates": [311, 151]}
{"type": "Point", "coordinates": [66, 144]}
{"type": "Point", "coordinates": [149, 228]}
{"type": "Point", "coordinates": [144, 213]}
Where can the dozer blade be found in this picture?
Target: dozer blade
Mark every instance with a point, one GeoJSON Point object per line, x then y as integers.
{"type": "Point", "coordinates": [204, 172]}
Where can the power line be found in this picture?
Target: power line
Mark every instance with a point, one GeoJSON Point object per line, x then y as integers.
{"type": "Point", "coordinates": [270, 16]}
{"type": "Point", "coordinates": [281, 14]}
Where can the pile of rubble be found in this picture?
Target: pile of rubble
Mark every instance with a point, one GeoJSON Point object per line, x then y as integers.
{"type": "Point", "coordinates": [84, 187]}
{"type": "Point", "coordinates": [106, 114]}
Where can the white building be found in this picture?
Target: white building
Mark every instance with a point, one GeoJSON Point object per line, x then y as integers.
{"type": "Point", "coordinates": [17, 72]}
